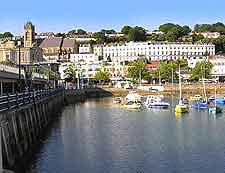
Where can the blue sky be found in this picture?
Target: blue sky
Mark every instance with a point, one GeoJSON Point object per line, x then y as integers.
{"type": "Point", "coordinates": [93, 15]}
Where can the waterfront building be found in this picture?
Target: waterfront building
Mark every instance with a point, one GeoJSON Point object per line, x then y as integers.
{"type": "Point", "coordinates": [29, 51]}
{"type": "Point", "coordinates": [85, 48]}
{"type": "Point", "coordinates": [154, 51]}
{"type": "Point", "coordinates": [51, 48]}
{"type": "Point", "coordinates": [115, 69]}
{"type": "Point", "coordinates": [58, 48]}
{"type": "Point", "coordinates": [218, 70]}
{"type": "Point", "coordinates": [86, 70]}
{"type": "Point", "coordinates": [83, 57]}
{"type": "Point", "coordinates": [192, 61]}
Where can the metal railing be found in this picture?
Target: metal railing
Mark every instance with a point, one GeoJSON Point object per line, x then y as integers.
{"type": "Point", "coordinates": [13, 101]}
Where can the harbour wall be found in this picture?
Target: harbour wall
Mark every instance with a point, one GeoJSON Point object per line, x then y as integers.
{"type": "Point", "coordinates": [23, 126]}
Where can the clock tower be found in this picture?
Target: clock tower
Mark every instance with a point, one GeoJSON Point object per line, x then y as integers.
{"type": "Point", "coordinates": [29, 34]}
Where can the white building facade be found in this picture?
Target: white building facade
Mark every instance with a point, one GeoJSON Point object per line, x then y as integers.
{"type": "Point", "coordinates": [85, 57]}
{"type": "Point", "coordinates": [192, 61]}
{"type": "Point", "coordinates": [218, 66]}
{"type": "Point", "coordinates": [153, 51]}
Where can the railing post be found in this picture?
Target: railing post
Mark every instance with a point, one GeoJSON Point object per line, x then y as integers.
{"type": "Point", "coordinates": [8, 105]}
{"type": "Point", "coordinates": [33, 97]}
{"type": "Point", "coordinates": [29, 97]}
{"type": "Point", "coordinates": [17, 101]}
{"type": "Point", "coordinates": [24, 98]}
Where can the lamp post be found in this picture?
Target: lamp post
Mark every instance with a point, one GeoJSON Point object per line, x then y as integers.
{"type": "Point", "coordinates": [19, 44]}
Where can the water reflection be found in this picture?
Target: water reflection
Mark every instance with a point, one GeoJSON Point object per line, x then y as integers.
{"type": "Point", "coordinates": [98, 136]}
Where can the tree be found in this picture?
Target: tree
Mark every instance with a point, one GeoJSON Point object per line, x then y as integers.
{"type": "Point", "coordinates": [196, 38]}
{"type": "Point", "coordinates": [137, 34]}
{"type": "Point", "coordinates": [101, 76]}
{"type": "Point", "coordinates": [173, 31]}
{"type": "Point", "coordinates": [125, 30]}
{"type": "Point", "coordinates": [138, 70]}
{"type": "Point", "coordinates": [166, 70]}
{"type": "Point", "coordinates": [203, 28]}
{"type": "Point", "coordinates": [100, 37]}
{"type": "Point", "coordinates": [7, 35]}
{"type": "Point", "coordinates": [186, 30]}
{"type": "Point", "coordinates": [108, 31]}
{"type": "Point", "coordinates": [219, 43]}
{"type": "Point", "coordinates": [202, 69]}
{"type": "Point", "coordinates": [71, 71]}
{"type": "Point", "coordinates": [81, 32]}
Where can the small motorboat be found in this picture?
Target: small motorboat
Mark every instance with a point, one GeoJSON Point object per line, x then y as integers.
{"type": "Point", "coordinates": [181, 108]}
{"type": "Point", "coordinates": [201, 104]}
{"type": "Point", "coordinates": [151, 98]}
{"type": "Point", "coordinates": [196, 98]}
{"type": "Point", "coordinates": [133, 105]}
{"type": "Point", "coordinates": [117, 100]}
{"type": "Point", "coordinates": [158, 104]}
{"type": "Point", "coordinates": [133, 96]}
{"type": "Point", "coordinates": [215, 110]}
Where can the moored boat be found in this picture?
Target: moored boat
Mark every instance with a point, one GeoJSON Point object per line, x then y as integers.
{"type": "Point", "coordinates": [133, 96]}
{"type": "Point", "coordinates": [133, 105]}
{"type": "Point", "coordinates": [201, 104]}
{"type": "Point", "coordinates": [215, 109]}
{"type": "Point", "coordinates": [158, 104]}
{"type": "Point", "coordinates": [117, 100]}
{"type": "Point", "coordinates": [180, 107]}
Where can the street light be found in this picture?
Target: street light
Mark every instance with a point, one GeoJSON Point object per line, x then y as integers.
{"type": "Point", "coordinates": [19, 45]}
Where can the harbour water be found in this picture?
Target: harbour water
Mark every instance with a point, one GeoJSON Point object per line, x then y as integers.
{"type": "Point", "coordinates": [100, 137]}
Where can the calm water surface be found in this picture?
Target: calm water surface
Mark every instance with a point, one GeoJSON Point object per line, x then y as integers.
{"type": "Point", "coordinates": [98, 137]}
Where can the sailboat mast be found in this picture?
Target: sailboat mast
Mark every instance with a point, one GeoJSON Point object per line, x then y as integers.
{"type": "Point", "coordinates": [203, 82]}
{"type": "Point", "coordinates": [180, 83]}
{"type": "Point", "coordinates": [215, 95]}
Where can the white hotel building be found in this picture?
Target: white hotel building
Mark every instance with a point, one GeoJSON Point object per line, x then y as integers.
{"type": "Point", "coordinates": [152, 50]}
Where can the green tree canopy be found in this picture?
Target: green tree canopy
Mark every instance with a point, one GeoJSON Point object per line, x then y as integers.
{"type": "Point", "coordinates": [81, 32]}
{"type": "Point", "coordinates": [166, 70]}
{"type": "Point", "coordinates": [216, 27]}
{"type": "Point", "coordinates": [196, 38]}
{"type": "Point", "coordinates": [71, 71]}
{"type": "Point", "coordinates": [138, 70]}
{"type": "Point", "coordinates": [202, 69]}
{"type": "Point", "coordinates": [137, 34]}
{"type": "Point", "coordinates": [100, 37]}
{"type": "Point", "coordinates": [173, 31]}
{"type": "Point", "coordinates": [126, 29]}
{"type": "Point", "coordinates": [101, 76]}
{"type": "Point", "coordinates": [108, 31]}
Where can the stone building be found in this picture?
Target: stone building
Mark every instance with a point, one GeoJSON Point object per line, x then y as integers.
{"type": "Point", "coordinates": [29, 50]}
{"type": "Point", "coordinates": [58, 48]}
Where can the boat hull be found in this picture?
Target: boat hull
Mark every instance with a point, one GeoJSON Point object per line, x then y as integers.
{"type": "Point", "coordinates": [215, 110]}
{"type": "Point", "coordinates": [200, 105]}
{"type": "Point", "coordinates": [135, 106]}
{"type": "Point", "coordinates": [181, 109]}
{"type": "Point", "coordinates": [159, 106]}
